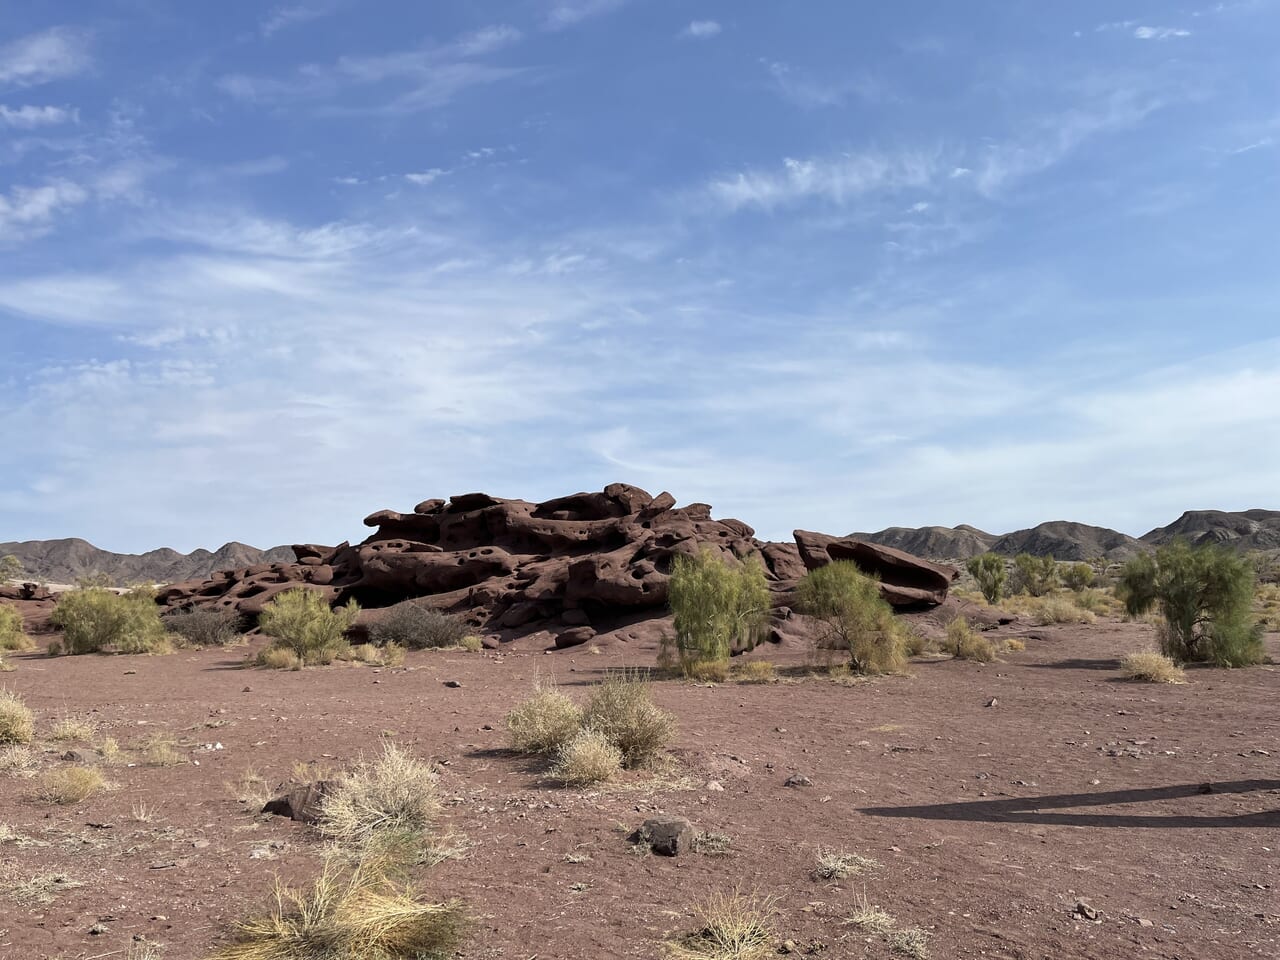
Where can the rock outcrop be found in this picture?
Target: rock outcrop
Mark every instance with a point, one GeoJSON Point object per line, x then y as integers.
{"type": "Point", "coordinates": [572, 566]}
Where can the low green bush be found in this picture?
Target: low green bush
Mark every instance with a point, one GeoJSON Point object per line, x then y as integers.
{"type": "Point", "coordinates": [989, 572]}
{"type": "Point", "coordinates": [717, 604]}
{"type": "Point", "coordinates": [301, 622]}
{"type": "Point", "coordinates": [204, 626]}
{"type": "Point", "coordinates": [12, 634]}
{"type": "Point", "coordinates": [94, 619]}
{"type": "Point", "coordinates": [1036, 576]}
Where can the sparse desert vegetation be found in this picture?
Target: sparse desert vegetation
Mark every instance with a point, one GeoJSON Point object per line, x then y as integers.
{"type": "Point", "coordinates": [95, 619]}
{"type": "Point", "coordinates": [204, 626]}
{"type": "Point", "coordinates": [304, 630]}
{"type": "Point", "coordinates": [17, 723]}
{"type": "Point", "coordinates": [717, 605]}
{"type": "Point", "coordinates": [854, 616]}
{"type": "Point", "coordinates": [1153, 667]}
{"type": "Point", "coordinates": [412, 626]}
{"type": "Point", "coordinates": [12, 635]}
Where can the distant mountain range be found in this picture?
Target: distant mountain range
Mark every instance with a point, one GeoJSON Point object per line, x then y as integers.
{"type": "Point", "coordinates": [66, 561]}
{"type": "Point", "coordinates": [1063, 540]}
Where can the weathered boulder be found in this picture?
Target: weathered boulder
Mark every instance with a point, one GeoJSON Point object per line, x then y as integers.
{"type": "Point", "coordinates": [301, 801]}
{"type": "Point", "coordinates": [905, 580]}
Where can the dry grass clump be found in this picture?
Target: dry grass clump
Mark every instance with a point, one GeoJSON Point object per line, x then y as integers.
{"type": "Point", "coordinates": [704, 671]}
{"type": "Point", "coordinates": [395, 792]}
{"type": "Point", "coordinates": [754, 671]}
{"type": "Point", "coordinates": [544, 722]}
{"type": "Point", "coordinates": [911, 942]}
{"type": "Point", "coordinates": [472, 644]}
{"type": "Point", "coordinates": [69, 729]}
{"type": "Point", "coordinates": [17, 723]}
{"type": "Point", "coordinates": [5, 665]}
{"type": "Point", "coordinates": [965, 643]}
{"type": "Point", "coordinates": [161, 750]}
{"type": "Point", "coordinates": [12, 636]}
{"type": "Point", "coordinates": [278, 658]}
{"type": "Point", "coordinates": [590, 757]}
{"type": "Point", "coordinates": [838, 865]}
{"type": "Point", "coordinates": [69, 785]}
{"type": "Point", "coordinates": [350, 912]}
{"type": "Point", "coordinates": [1152, 667]}
{"type": "Point", "coordinates": [392, 655]}
{"type": "Point", "coordinates": [621, 707]}
{"type": "Point", "coordinates": [41, 889]}
{"type": "Point", "coordinates": [19, 760]}
{"type": "Point", "coordinates": [1051, 609]}
{"type": "Point", "coordinates": [734, 926]}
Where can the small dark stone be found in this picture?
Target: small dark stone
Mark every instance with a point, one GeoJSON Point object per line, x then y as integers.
{"type": "Point", "coordinates": [797, 780]}
{"type": "Point", "coordinates": [302, 802]}
{"type": "Point", "coordinates": [455, 684]}
{"type": "Point", "coordinates": [667, 836]}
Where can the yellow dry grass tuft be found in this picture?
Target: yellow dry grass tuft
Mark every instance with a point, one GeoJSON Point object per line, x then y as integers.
{"type": "Point", "coordinates": [67, 786]}
{"type": "Point", "coordinates": [12, 635]}
{"type": "Point", "coordinates": [278, 658]}
{"type": "Point", "coordinates": [733, 926]}
{"type": "Point", "coordinates": [838, 865]}
{"type": "Point", "coordinates": [161, 750]}
{"type": "Point", "coordinates": [17, 723]}
{"type": "Point", "coordinates": [621, 708]}
{"type": "Point", "coordinates": [964, 643]}
{"type": "Point", "coordinates": [69, 729]}
{"type": "Point", "coordinates": [544, 722]}
{"type": "Point", "coordinates": [754, 671]}
{"type": "Point", "coordinates": [1152, 667]}
{"type": "Point", "coordinates": [590, 757]}
{"type": "Point", "coordinates": [393, 793]}
{"type": "Point", "coordinates": [355, 912]}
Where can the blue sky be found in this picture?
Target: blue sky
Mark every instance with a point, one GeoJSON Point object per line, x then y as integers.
{"type": "Point", "coordinates": [267, 268]}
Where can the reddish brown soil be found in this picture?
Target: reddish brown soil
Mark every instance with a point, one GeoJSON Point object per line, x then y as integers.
{"type": "Point", "coordinates": [990, 822]}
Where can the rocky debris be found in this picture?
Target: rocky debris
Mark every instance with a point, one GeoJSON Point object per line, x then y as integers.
{"type": "Point", "coordinates": [25, 591]}
{"type": "Point", "coordinates": [301, 802]}
{"type": "Point", "coordinates": [905, 580]}
{"type": "Point", "coordinates": [666, 836]}
{"type": "Point", "coordinates": [572, 570]}
{"type": "Point", "coordinates": [797, 780]}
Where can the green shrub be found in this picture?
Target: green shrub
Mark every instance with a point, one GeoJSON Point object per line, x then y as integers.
{"type": "Point", "coordinates": [716, 605]}
{"type": "Point", "coordinates": [544, 722]}
{"type": "Point", "coordinates": [12, 636]}
{"type": "Point", "coordinates": [95, 619]}
{"type": "Point", "coordinates": [856, 617]}
{"type": "Point", "coordinates": [989, 572]}
{"type": "Point", "coordinates": [205, 626]}
{"type": "Point", "coordinates": [416, 627]}
{"type": "Point", "coordinates": [621, 708]}
{"type": "Point", "coordinates": [1205, 595]}
{"type": "Point", "coordinates": [301, 622]}
{"type": "Point", "coordinates": [10, 568]}
{"type": "Point", "coordinates": [1077, 576]}
{"type": "Point", "coordinates": [1034, 575]}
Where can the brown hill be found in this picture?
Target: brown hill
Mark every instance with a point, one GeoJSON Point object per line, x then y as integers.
{"type": "Point", "coordinates": [1064, 540]}
{"type": "Point", "coordinates": [1244, 530]}
{"type": "Point", "coordinates": [936, 542]}
{"type": "Point", "coordinates": [66, 561]}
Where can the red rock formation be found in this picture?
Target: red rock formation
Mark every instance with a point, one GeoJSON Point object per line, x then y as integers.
{"type": "Point", "coordinates": [569, 566]}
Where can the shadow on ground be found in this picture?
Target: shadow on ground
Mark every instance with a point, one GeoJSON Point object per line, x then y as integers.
{"type": "Point", "coordinates": [1032, 809]}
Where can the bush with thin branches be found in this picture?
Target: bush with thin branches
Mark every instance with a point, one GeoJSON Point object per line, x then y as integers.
{"type": "Point", "coordinates": [989, 572]}
{"type": "Point", "coordinates": [1077, 576]}
{"type": "Point", "coordinates": [965, 643]}
{"type": "Point", "coordinates": [205, 626]}
{"type": "Point", "coordinates": [301, 622]}
{"type": "Point", "coordinates": [94, 619]}
{"type": "Point", "coordinates": [544, 722]}
{"type": "Point", "coordinates": [17, 723]}
{"type": "Point", "coordinates": [394, 792]}
{"type": "Point", "coordinates": [718, 605]}
{"type": "Point", "coordinates": [1034, 575]}
{"type": "Point", "coordinates": [855, 617]}
{"type": "Point", "coordinates": [416, 627]}
{"type": "Point", "coordinates": [1205, 597]}
{"type": "Point", "coordinates": [731, 926]}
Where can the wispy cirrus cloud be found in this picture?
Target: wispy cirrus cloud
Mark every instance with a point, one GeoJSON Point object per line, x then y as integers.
{"type": "Point", "coordinates": [836, 180]}
{"type": "Point", "coordinates": [568, 13]}
{"type": "Point", "coordinates": [1160, 33]}
{"type": "Point", "coordinates": [806, 90]}
{"type": "Point", "coordinates": [52, 54]}
{"type": "Point", "coordinates": [294, 14]}
{"type": "Point", "coordinates": [398, 82]}
{"type": "Point", "coordinates": [29, 117]}
{"type": "Point", "coordinates": [702, 29]}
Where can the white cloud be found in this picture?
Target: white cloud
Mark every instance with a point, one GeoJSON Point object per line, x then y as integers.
{"type": "Point", "coordinates": [27, 212]}
{"type": "Point", "coordinates": [837, 180]}
{"type": "Point", "coordinates": [426, 176]}
{"type": "Point", "coordinates": [41, 57]}
{"type": "Point", "coordinates": [568, 13]}
{"type": "Point", "coordinates": [29, 117]}
{"type": "Point", "coordinates": [702, 29]}
{"type": "Point", "coordinates": [399, 82]}
{"type": "Point", "coordinates": [1160, 33]}
{"type": "Point", "coordinates": [291, 15]}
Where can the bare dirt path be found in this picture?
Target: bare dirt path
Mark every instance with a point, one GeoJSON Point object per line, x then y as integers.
{"type": "Point", "coordinates": [1158, 806]}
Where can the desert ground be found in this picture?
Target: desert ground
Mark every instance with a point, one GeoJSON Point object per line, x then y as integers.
{"type": "Point", "coordinates": [1035, 807]}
